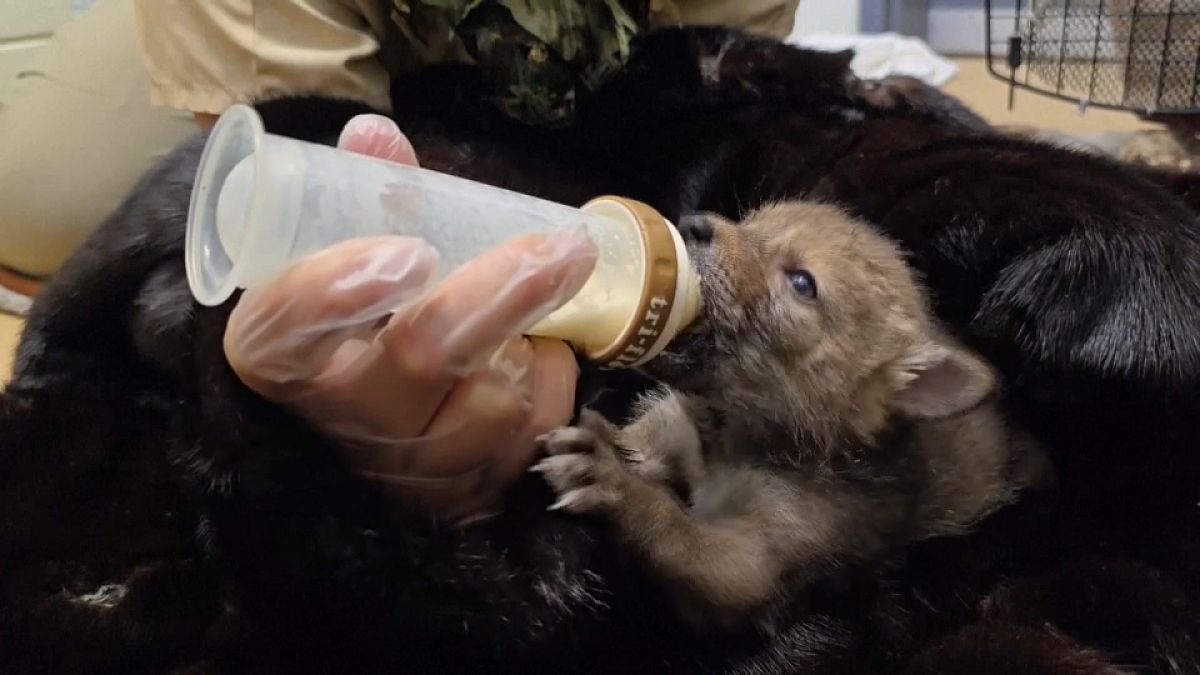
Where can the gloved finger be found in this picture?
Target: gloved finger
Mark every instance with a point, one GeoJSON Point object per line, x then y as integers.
{"type": "Point", "coordinates": [463, 478]}
{"type": "Point", "coordinates": [554, 379]}
{"type": "Point", "coordinates": [500, 294]}
{"type": "Point", "coordinates": [447, 454]}
{"type": "Point", "coordinates": [285, 332]}
{"type": "Point", "coordinates": [429, 429]}
{"type": "Point", "coordinates": [450, 471]}
{"type": "Point", "coordinates": [423, 351]}
{"type": "Point", "coordinates": [377, 136]}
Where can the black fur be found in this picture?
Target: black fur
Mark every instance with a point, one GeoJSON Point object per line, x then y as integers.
{"type": "Point", "coordinates": [133, 456]}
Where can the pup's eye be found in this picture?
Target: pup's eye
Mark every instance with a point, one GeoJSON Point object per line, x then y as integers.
{"type": "Point", "coordinates": [803, 284]}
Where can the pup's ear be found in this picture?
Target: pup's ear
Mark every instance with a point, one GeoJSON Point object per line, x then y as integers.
{"type": "Point", "coordinates": [939, 379]}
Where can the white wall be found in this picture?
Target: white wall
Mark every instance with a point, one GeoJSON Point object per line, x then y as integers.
{"type": "Point", "coordinates": [826, 16]}
{"type": "Point", "coordinates": [26, 26]}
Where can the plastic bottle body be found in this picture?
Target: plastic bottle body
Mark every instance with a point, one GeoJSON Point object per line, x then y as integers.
{"type": "Point", "coordinates": [286, 199]}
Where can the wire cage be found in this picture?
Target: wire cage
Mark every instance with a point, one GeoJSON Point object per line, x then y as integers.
{"type": "Point", "coordinates": [1136, 55]}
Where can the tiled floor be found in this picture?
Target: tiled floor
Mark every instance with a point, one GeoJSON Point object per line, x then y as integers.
{"type": "Point", "coordinates": [988, 96]}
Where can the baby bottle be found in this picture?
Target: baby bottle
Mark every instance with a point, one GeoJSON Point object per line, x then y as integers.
{"type": "Point", "coordinates": [260, 201]}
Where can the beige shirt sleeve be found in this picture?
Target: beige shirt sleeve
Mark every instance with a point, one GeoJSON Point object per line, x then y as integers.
{"type": "Point", "coordinates": [773, 18]}
{"type": "Point", "coordinates": [205, 55]}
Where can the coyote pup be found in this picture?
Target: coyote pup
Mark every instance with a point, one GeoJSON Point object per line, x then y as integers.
{"type": "Point", "coordinates": [814, 418]}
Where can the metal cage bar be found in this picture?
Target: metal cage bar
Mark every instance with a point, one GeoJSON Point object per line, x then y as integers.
{"type": "Point", "coordinates": [1135, 55]}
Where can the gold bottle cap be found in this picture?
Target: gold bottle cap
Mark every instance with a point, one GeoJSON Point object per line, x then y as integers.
{"type": "Point", "coordinates": [670, 298]}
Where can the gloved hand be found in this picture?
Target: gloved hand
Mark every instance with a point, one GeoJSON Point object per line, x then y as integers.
{"type": "Point", "coordinates": [429, 389]}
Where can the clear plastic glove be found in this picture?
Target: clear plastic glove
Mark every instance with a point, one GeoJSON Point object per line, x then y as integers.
{"type": "Point", "coordinates": [429, 388]}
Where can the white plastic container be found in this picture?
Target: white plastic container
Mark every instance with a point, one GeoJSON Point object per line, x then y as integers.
{"type": "Point", "coordinates": [261, 201]}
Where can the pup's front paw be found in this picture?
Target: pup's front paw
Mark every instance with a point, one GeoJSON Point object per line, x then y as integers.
{"type": "Point", "coordinates": [582, 466]}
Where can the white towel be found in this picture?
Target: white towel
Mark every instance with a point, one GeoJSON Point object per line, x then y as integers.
{"type": "Point", "coordinates": [878, 55]}
{"type": "Point", "coordinates": [12, 302]}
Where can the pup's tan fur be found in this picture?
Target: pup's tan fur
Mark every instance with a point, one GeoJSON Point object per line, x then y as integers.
{"type": "Point", "coordinates": [805, 433]}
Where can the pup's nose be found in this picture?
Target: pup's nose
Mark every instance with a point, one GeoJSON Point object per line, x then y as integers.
{"type": "Point", "coordinates": [696, 228]}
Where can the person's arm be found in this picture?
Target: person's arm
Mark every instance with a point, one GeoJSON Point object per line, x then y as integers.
{"type": "Point", "coordinates": [205, 56]}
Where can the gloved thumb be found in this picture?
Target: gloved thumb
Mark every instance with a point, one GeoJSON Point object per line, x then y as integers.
{"type": "Point", "coordinates": [377, 136]}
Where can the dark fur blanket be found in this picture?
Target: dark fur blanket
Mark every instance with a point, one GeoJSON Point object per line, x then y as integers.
{"type": "Point", "coordinates": [156, 516]}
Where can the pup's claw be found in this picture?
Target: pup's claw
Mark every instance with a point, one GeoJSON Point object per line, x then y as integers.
{"type": "Point", "coordinates": [566, 501]}
{"type": "Point", "coordinates": [584, 500]}
{"type": "Point", "coordinates": [566, 472]}
{"type": "Point", "coordinates": [568, 440]}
